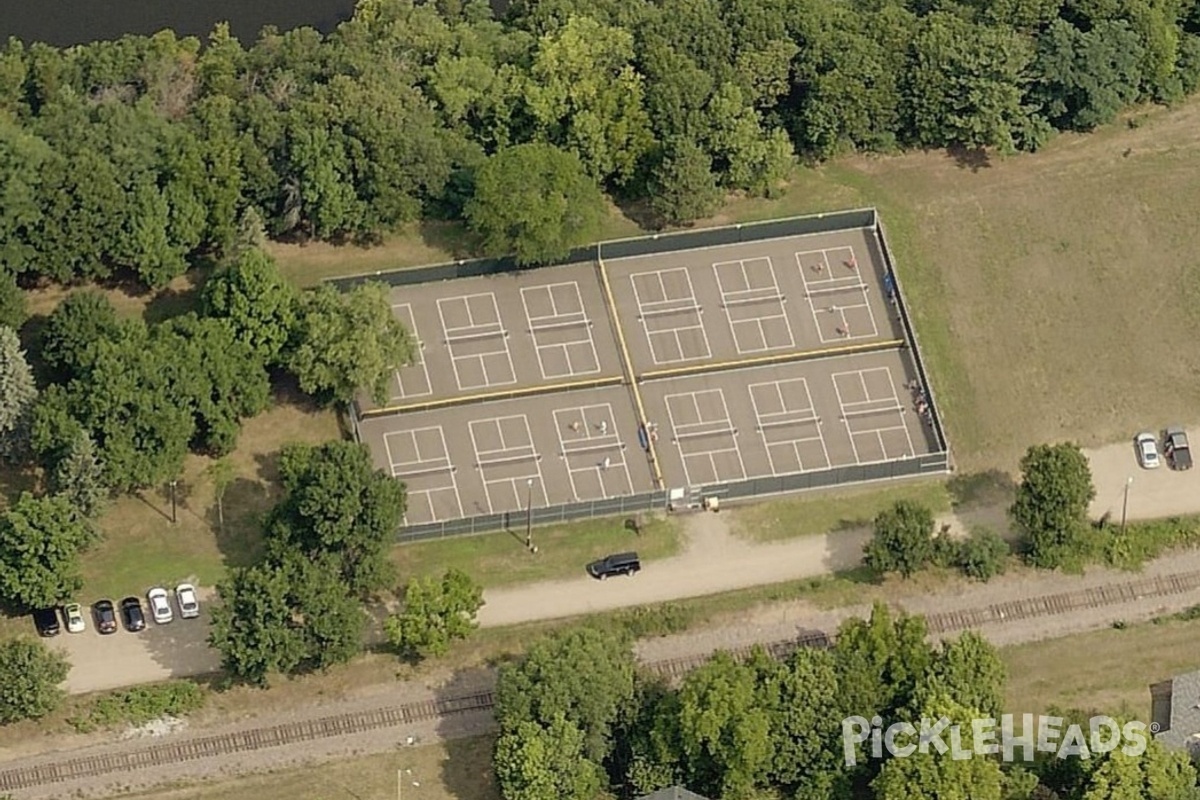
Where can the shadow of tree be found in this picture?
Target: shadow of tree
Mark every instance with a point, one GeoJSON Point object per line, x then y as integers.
{"type": "Point", "coordinates": [972, 158]}
{"type": "Point", "coordinates": [988, 487]}
{"type": "Point", "coordinates": [467, 770]}
{"type": "Point", "coordinates": [452, 237]}
{"type": "Point", "coordinates": [240, 538]}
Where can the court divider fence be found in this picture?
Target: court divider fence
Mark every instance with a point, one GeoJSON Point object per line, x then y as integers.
{"type": "Point", "coordinates": [930, 464]}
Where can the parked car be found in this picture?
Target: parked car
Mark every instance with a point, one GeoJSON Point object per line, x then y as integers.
{"type": "Point", "coordinates": [1147, 450]}
{"type": "Point", "coordinates": [185, 598]}
{"type": "Point", "coordinates": [46, 622]}
{"type": "Point", "coordinates": [1175, 446]}
{"type": "Point", "coordinates": [619, 564]}
{"type": "Point", "coordinates": [160, 605]}
{"type": "Point", "coordinates": [73, 614]}
{"type": "Point", "coordinates": [105, 616]}
{"type": "Point", "coordinates": [131, 614]}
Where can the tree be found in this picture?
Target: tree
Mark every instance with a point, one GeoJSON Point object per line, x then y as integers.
{"type": "Point", "coordinates": [1052, 503]}
{"type": "Point", "coordinates": [435, 613]}
{"type": "Point", "coordinates": [964, 83]}
{"type": "Point", "coordinates": [12, 301]}
{"type": "Point", "coordinates": [79, 476]}
{"type": "Point", "coordinates": [969, 671]}
{"type": "Point", "coordinates": [939, 776]}
{"type": "Point", "coordinates": [76, 325]}
{"type": "Point", "coordinates": [903, 539]}
{"type": "Point", "coordinates": [583, 674]}
{"type": "Point", "coordinates": [30, 674]}
{"type": "Point", "coordinates": [222, 474]}
{"type": "Point", "coordinates": [1156, 774]}
{"type": "Point", "coordinates": [257, 301]}
{"type": "Point", "coordinates": [533, 762]}
{"type": "Point", "coordinates": [344, 341]}
{"type": "Point", "coordinates": [1086, 78]}
{"type": "Point", "coordinates": [534, 201]}
{"type": "Point", "coordinates": [982, 555]}
{"type": "Point", "coordinates": [285, 617]}
{"type": "Point", "coordinates": [880, 662]}
{"type": "Point", "coordinates": [337, 503]}
{"type": "Point", "coordinates": [724, 732]}
{"type": "Point", "coordinates": [40, 542]}
{"type": "Point", "coordinates": [684, 186]}
{"type": "Point", "coordinates": [17, 395]}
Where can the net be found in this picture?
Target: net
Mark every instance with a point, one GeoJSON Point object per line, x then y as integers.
{"type": "Point", "coordinates": [571, 323]}
{"type": "Point", "coordinates": [594, 448]}
{"type": "Point", "coordinates": [731, 302]}
{"type": "Point", "coordinates": [468, 337]}
{"type": "Point", "coordinates": [495, 462]}
{"type": "Point", "coordinates": [726, 431]}
{"type": "Point", "coordinates": [661, 312]}
{"type": "Point", "coordinates": [398, 470]}
{"type": "Point", "coordinates": [786, 423]}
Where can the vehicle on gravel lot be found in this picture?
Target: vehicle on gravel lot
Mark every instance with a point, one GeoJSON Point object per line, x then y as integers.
{"type": "Point", "coordinates": [1147, 450]}
{"type": "Point", "coordinates": [105, 616]}
{"type": "Point", "coordinates": [619, 564]}
{"type": "Point", "coordinates": [73, 614]}
{"type": "Point", "coordinates": [131, 614]}
{"type": "Point", "coordinates": [46, 622]}
{"type": "Point", "coordinates": [1175, 445]}
{"type": "Point", "coordinates": [185, 598]}
{"type": "Point", "coordinates": [160, 606]}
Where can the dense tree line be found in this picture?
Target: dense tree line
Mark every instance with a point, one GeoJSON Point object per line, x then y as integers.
{"type": "Point", "coordinates": [577, 716]}
{"type": "Point", "coordinates": [142, 154]}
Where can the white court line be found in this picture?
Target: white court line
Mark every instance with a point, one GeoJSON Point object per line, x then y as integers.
{"type": "Point", "coordinates": [609, 442]}
{"type": "Point", "coordinates": [442, 462]}
{"type": "Point", "coordinates": [841, 408]}
{"type": "Point", "coordinates": [560, 320]}
{"type": "Point", "coordinates": [765, 420]}
{"type": "Point", "coordinates": [488, 328]}
{"type": "Point", "coordinates": [528, 452]}
{"type": "Point", "coordinates": [774, 293]}
{"type": "Point", "coordinates": [692, 307]}
{"type": "Point", "coordinates": [678, 431]}
{"type": "Point", "coordinates": [411, 321]}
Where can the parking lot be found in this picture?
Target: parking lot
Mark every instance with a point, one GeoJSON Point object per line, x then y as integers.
{"type": "Point", "coordinates": [759, 359]}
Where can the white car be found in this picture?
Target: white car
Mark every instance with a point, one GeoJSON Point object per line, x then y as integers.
{"type": "Point", "coordinates": [1147, 450]}
{"type": "Point", "coordinates": [160, 607]}
{"type": "Point", "coordinates": [74, 614]}
{"type": "Point", "coordinates": [185, 598]}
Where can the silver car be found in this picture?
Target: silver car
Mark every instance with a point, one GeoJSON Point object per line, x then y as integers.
{"type": "Point", "coordinates": [1147, 450]}
{"type": "Point", "coordinates": [160, 607]}
{"type": "Point", "coordinates": [185, 598]}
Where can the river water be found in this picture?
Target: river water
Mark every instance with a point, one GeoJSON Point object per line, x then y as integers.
{"type": "Point", "coordinates": [69, 22]}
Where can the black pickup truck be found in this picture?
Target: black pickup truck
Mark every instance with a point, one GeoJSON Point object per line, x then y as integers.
{"type": "Point", "coordinates": [1175, 446]}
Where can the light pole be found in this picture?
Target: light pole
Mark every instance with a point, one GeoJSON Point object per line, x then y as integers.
{"type": "Point", "coordinates": [174, 517]}
{"type": "Point", "coordinates": [529, 514]}
{"type": "Point", "coordinates": [1125, 503]}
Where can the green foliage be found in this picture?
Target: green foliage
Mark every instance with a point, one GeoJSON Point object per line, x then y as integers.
{"type": "Point", "coordinates": [684, 186]}
{"type": "Point", "coordinates": [1052, 503]}
{"type": "Point", "coordinates": [40, 542]}
{"type": "Point", "coordinates": [881, 662]}
{"type": "Point", "coordinates": [983, 554]}
{"type": "Point", "coordinates": [17, 395]}
{"type": "Point", "coordinates": [1157, 774]}
{"type": "Point", "coordinates": [724, 732]}
{"type": "Point", "coordinates": [969, 671]}
{"type": "Point", "coordinates": [536, 202]}
{"type": "Point", "coordinates": [583, 674]}
{"type": "Point", "coordinates": [435, 614]}
{"type": "Point", "coordinates": [140, 705]}
{"type": "Point", "coordinates": [258, 303]}
{"type": "Point", "coordinates": [294, 616]}
{"type": "Point", "coordinates": [76, 326]}
{"type": "Point", "coordinates": [533, 762]}
{"type": "Point", "coordinates": [902, 540]}
{"type": "Point", "coordinates": [12, 301]}
{"type": "Point", "coordinates": [344, 341]}
{"type": "Point", "coordinates": [1087, 77]}
{"type": "Point", "coordinates": [78, 476]}
{"type": "Point", "coordinates": [30, 674]}
{"type": "Point", "coordinates": [337, 504]}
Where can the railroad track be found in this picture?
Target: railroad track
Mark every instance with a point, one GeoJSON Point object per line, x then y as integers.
{"type": "Point", "coordinates": [168, 753]}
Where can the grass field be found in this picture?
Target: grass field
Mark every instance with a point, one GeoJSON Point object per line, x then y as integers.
{"type": "Point", "coordinates": [1113, 678]}
{"type": "Point", "coordinates": [458, 770]}
{"type": "Point", "coordinates": [498, 559]}
{"type": "Point", "coordinates": [813, 514]}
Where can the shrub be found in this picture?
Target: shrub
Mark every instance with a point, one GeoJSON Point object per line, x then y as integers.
{"type": "Point", "coordinates": [140, 705]}
{"type": "Point", "coordinates": [983, 554]}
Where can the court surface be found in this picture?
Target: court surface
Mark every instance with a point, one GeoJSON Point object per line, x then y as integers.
{"type": "Point", "coordinates": [517, 396]}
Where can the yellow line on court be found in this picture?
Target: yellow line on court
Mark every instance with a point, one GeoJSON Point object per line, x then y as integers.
{"type": "Point", "coordinates": [628, 364]}
{"type": "Point", "coordinates": [783, 358]}
{"type": "Point", "coordinates": [511, 394]}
